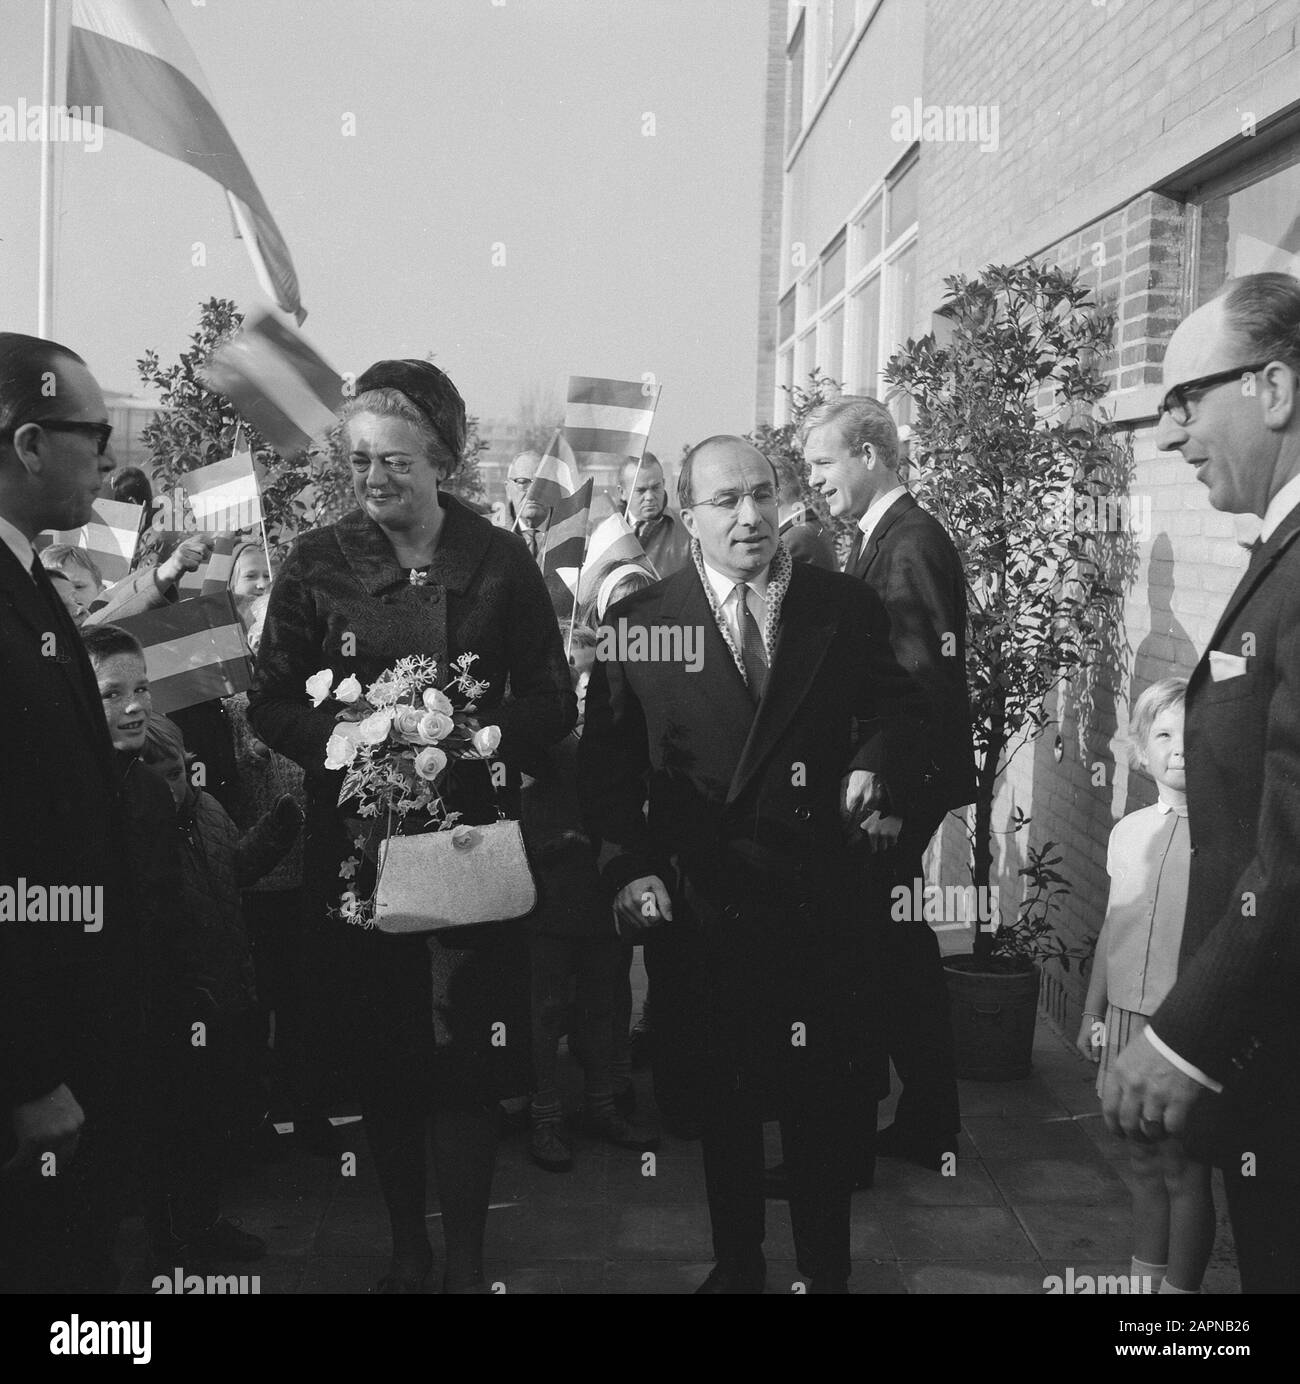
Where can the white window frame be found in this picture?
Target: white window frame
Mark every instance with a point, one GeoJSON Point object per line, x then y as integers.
{"type": "Point", "coordinates": [807, 289]}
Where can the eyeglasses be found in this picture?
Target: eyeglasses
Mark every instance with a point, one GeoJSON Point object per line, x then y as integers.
{"type": "Point", "coordinates": [1176, 402]}
{"type": "Point", "coordinates": [762, 495]}
{"type": "Point", "coordinates": [100, 431]}
{"type": "Point", "coordinates": [395, 466]}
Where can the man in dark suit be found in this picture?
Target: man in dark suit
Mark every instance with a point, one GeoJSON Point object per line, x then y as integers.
{"type": "Point", "coordinates": [1219, 1061]}
{"type": "Point", "coordinates": [803, 534]}
{"type": "Point", "coordinates": [725, 697]}
{"type": "Point", "coordinates": [851, 448]}
{"type": "Point", "coordinates": [58, 831]}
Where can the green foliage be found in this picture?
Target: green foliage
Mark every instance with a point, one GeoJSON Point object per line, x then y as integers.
{"type": "Point", "coordinates": [1006, 436]}
{"type": "Point", "coordinates": [781, 444]}
{"type": "Point", "coordinates": [196, 427]}
{"type": "Point", "coordinates": [1031, 938]}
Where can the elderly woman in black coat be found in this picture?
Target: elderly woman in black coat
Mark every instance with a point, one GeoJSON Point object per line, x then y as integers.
{"type": "Point", "coordinates": [413, 571]}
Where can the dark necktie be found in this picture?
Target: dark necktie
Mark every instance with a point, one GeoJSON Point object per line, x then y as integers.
{"type": "Point", "coordinates": [1255, 549]}
{"type": "Point", "coordinates": [752, 652]}
{"type": "Point", "coordinates": [855, 551]}
{"type": "Point", "coordinates": [530, 537]}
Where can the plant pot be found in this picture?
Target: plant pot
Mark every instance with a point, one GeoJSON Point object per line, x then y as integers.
{"type": "Point", "coordinates": [993, 1015]}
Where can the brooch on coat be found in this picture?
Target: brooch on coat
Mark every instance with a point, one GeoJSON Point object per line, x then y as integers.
{"type": "Point", "coordinates": [419, 576]}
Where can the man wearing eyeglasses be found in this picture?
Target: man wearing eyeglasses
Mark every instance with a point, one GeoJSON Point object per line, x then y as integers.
{"type": "Point", "coordinates": [65, 992]}
{"type": "Point", "coordinates": [749, 868]}
{"type": "Point", "coordinates": [1220, 1059]}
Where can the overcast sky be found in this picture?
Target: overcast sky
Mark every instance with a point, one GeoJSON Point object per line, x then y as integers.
{"type": "Point", "coordinates": [477, 123]}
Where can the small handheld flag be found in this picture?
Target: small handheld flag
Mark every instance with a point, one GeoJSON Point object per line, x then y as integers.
{"type": "Point", "coordinates": [225, 497]}
{"type": "Point", "coordinates": [195, 651]}
{"type": "Point", "coordinates": [111, 537]}
{"type": "Point", "coordinates": [608, 420]}
{"type": "Point", "coordinates": [279, 383]}
{"type": "Point", "coordinates": [556, 478]}
{"type": "Point", "coordinates": [566, 538]}
{"type": "Point", "coordinates": [613, 544]}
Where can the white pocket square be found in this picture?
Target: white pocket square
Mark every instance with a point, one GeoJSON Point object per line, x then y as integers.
{"type": "Point", "coordinates": [1225, 666]}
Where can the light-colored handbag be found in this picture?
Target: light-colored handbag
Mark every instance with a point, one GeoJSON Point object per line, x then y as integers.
{"type": "Point", "coordinates": [449, 879]}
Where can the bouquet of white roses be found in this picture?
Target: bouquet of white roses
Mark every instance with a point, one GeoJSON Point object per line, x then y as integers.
{"type": "Point", "coordinates": [396, 740]}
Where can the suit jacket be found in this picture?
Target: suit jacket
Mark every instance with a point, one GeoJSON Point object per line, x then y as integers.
{"type": "Point", "coordinates": [806, 540]}
{"type": "Point", "coordinates": [342, 583]}
{"type": "Point", "coordinates": [666, 543]}
{"type": "Point", "coordinates": [911, 564]}
{"type": "Point", "coordinates": [58, 826]}
{"type": "Point", "coordinates": [1232, 1012]}
{"type": "Point", "coordinates": [769, 920]}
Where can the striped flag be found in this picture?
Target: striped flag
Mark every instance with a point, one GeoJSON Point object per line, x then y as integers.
{"type": "Point", "coordinates": [224, 496]}
{"type": "Point", "coordinates": [130, 58]}
{"type": "Point", "coordinates": [111, 537]}
{"type": "Point", "coordinates": [613, 544]}
{"type": "Point", "coordinates": [608, 420]}
{"type": "Point", "coordinates": [566, 538]}
{"type": "Point", "coordinates": [556, 478]}
{"type": "Point", "coordinates": [277, 382]}
{"type": "Point", "coordinates": [221, 562]}
{"type": "Point", "coordinates": [194, 651]}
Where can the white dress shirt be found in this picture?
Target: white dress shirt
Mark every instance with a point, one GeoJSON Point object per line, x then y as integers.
{"type": "Point", "coordinates": [1279, 507]}
{"type": "Point", "coordinates": [724, 589]}
{"type": "Point", "coordinates": [18, 543]}
{"type": "Point", "coordinates": [876, 511]}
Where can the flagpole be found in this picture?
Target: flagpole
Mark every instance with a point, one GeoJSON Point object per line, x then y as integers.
{"type": "Point", "coordinates": [45, 251]}
{"type": "Point", "coordinates": [631, 490]}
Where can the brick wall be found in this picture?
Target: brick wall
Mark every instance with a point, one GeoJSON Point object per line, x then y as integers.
{"type": "Point", "coordinates": [1096, 102]}
{"type": "Point", "coordinates": [1177, 567]}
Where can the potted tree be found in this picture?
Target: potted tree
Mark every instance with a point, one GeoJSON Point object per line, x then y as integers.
{"type": "Point", "coordinates": [1013, 456]}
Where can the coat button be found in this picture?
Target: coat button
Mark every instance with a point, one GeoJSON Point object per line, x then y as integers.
{"type": "Point", "coordinates": [803, 813]}
{"type": "Point", "coordinates": [1194, 850]}
{"type": "Point", "coordinates": [805, 909]}
{"type": "Point", "coordinates": [731, 911]}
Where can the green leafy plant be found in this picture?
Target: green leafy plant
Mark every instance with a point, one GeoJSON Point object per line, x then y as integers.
{"type": "Point", "coordinates": [196, 427]}
{"type": "Point", "coordinates": [1006, 437]}
{"type": "Point", "coordinates": [780, 444]}
{"type": "Point", "coordinates": [1031, 937]}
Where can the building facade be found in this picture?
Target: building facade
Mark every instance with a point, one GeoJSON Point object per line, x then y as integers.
{"type": "Point", "coordinates": [1152, 145]}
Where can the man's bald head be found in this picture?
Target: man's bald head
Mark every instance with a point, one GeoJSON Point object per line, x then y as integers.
{"type": "Point", "coordinates": [722, 446]}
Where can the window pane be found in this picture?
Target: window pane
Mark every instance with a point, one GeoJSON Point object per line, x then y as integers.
{"type": "Point", "coordinates": [784, 376]}
{"type": "Point", "coordinates": [794, 89]}
{"type": "Point", "coordinates": [901, 196]}
{"type": "Point", "coordinates": [832, 272]}
{"type": "Point", "coordinates": [1250, 232]}
{"type": "Point", "coordinates": [830, 348]}
{"type": "Point", "coordinates": [805, 301]}
{"type": "Point", "coordinates": [841, 26]}
{"type": "Point", "coordinates": [866, 331]}
{"type": "Point", "coordinates": [901, 286]}
{"type": "Point", "coordinates": [785, 317]}
{"type": "Point", "coordinates": [803, 358]}
{"type": "Point", "coordinates": [867, 238]}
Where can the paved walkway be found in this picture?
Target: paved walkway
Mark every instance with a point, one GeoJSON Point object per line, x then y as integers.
{"type": "Point", "coordinates": [1039, 1185]}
